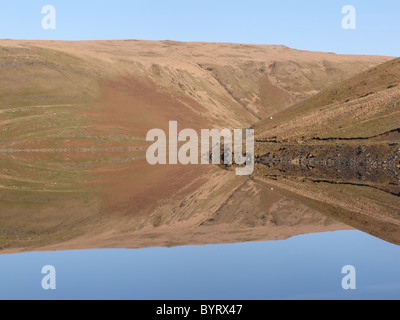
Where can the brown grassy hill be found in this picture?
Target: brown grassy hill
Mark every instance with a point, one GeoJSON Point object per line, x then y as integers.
{"type": "Point", "coordinates": [129, 87]}
{"type": "Point", "coordinates": [73, 117]}
{"type": "Point", "coordinates": [339, 151]}
{"type": "Point", "coordinates": [365, 106]}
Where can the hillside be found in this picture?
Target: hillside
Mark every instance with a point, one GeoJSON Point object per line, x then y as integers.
{"type": "Point", "coordinates": [73, 118]}
{"type": "Point", "coordinates": [339, 151]}
{"type": "Point", "coordinates": [365, 106]}
{"type": "Point", "coordinates": [125, 88]}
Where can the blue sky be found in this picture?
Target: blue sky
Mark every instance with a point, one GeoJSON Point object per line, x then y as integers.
{"type": "Point", "coordinates": [309, 24]}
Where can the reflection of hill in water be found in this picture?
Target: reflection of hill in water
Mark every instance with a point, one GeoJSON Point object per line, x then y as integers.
{"type": "Point", "coordinates": [91, 200]}
{"type": "Point", "coordinates": [358, 185]}
{"type": "Point", "coordinates": [116, 200]}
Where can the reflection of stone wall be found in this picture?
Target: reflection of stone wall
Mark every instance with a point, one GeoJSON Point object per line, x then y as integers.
{"type": "Point", "coordinates": [373, 165]}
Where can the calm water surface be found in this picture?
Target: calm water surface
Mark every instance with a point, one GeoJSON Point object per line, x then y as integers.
{"type": "Point", "coordinates": [303, 267]}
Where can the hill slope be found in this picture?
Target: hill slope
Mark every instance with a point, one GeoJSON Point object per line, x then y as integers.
{"type": "Point", "coordinates": [365, 106]}
{"type": "Point", "coordinates": [73, 117]}
{"type": "Point", "coordinates": [339, 151]}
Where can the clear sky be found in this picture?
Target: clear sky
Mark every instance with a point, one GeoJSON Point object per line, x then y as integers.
{"type": "Point", "coordinates": [309, 24]}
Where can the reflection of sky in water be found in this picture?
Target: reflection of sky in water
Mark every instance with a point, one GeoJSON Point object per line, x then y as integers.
{"type": "Point", "coordinates": [306, 266]}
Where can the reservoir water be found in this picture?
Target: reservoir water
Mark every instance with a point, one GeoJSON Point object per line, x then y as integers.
{"type": "Point", "coordinates": [302, 267]}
